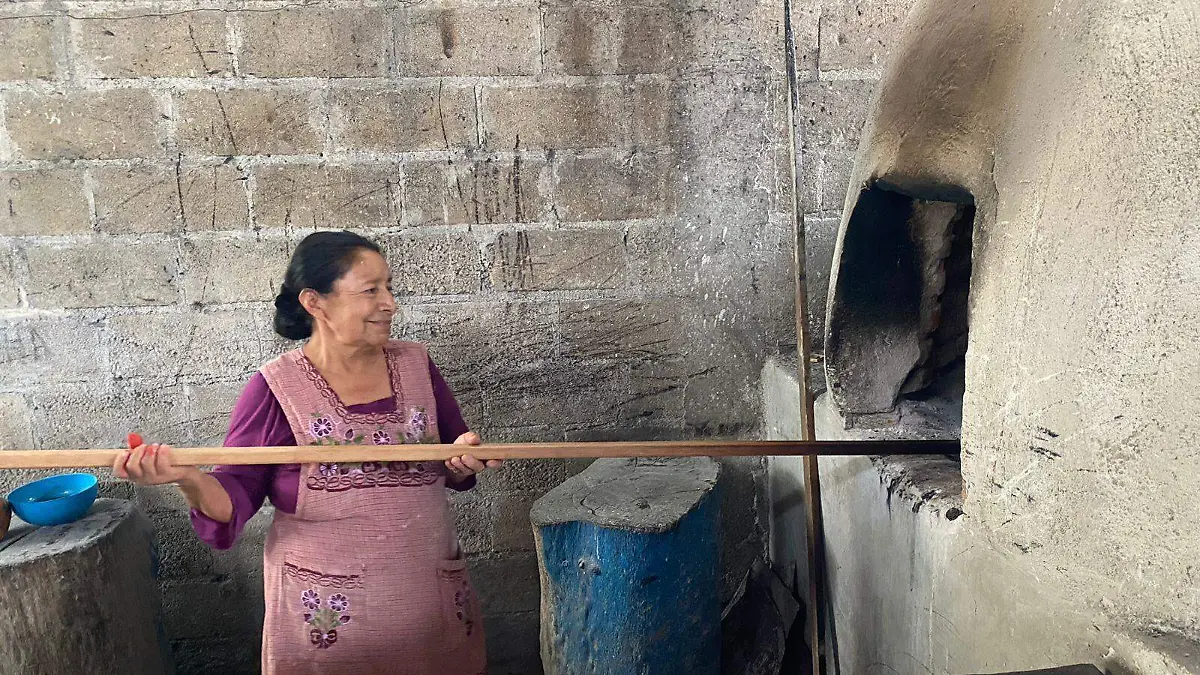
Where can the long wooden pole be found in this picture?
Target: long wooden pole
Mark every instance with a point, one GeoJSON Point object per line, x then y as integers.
{"type": "Point", "coordinates": [102, 457]}
{"type": "Point", "coordinates": [812, 468]}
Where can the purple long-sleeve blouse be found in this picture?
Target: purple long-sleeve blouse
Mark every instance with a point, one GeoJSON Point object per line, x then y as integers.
{"type": "Point", "coordinates": [258, 420]}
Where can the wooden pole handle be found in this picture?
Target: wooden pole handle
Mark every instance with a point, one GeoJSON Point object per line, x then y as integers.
{"type": "Point", "coordinates": [62, 459]}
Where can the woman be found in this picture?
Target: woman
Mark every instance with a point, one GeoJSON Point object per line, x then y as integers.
{"type": "Point", "coordinates": [362, 570]}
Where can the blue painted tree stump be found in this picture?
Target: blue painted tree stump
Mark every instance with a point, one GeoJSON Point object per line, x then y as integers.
{"type": "Point", "coordinates": [630, 569]}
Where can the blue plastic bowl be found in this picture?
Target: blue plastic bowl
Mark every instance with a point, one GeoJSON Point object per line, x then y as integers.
{"type": "Point", "coordinates": [56, 500]}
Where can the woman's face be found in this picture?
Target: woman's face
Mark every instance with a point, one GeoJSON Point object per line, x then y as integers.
{"type": "Point", "coordinates": [360, 308]}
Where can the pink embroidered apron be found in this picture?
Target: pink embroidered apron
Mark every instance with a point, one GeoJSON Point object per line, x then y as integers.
{"type": "Point", "coordinates": [366, 577]}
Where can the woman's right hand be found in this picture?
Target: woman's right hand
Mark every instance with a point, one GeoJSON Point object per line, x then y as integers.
{"type": "Point", "coordinates": [151, 465]}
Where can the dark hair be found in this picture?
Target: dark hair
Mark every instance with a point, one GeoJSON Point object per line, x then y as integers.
{"type": "Point", "coordinates": [318, 261]}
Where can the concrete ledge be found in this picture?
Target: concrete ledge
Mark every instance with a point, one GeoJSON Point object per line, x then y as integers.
{"type": "Point", "coordinates": [915, 483]}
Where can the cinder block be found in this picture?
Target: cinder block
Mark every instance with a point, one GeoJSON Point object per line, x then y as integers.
{"type": "Point", "coordinates": [86, 416]}
{"type": "Point", "coordinates": [152, 499]}
{"type": "Point", "coordinates": [653, 108]}
{"type": "Point", "coordinates": [175, 44]}
{"type": "Point", "coordinates": [512, 529]}
{"type": "Point", "coordinates": [429, 190]}
{"type": "Point", "coordinates": [209, 407]}
{"type": "Point", "coordinates": [296, 42]}
{"type": "Point", "coordinates": [468, 393]}
{"type": "Point", "coordinates": [147, 199]}
{"type": "Point", "coordinates": [506, 583]}
{"type": "Point", "coordinates": [483, 191]}
{"type": "Point", "coordinates": [558, 260]}
{"type": "Point", "coordinates": [528, 393]}
{"type": "Point", "coordinates": [204, 345]}
{"type": "Point", "coordinates": [645, 403]}
{"type": "Point", "coordinates": [16, 425]}
{"type": "Point", "coordinates": [224, 269]}
{"type": "Point", "coordinates": [642, 185]}
{"type": "Point", "coordinates": [625, 330]}
{"type": "Point", "coordinates": [437, 264]}
{"type": "Point", "coordinates": [473, 519]}
{"type": "Point", "coordinates": [464, 40]}
{"type": "Point", "coordinates": [820, 236]}
{"type": "Point", "coordinates": [60, 350]}
{"type": "Point", "coordinates": [743, 127]}
{"type": "Point", "coordinates": [590, 40]}
{"type": "Point", "coordinates": [609, 4]}
{"type": "Point", "coordinates": [405, 119]}
{"type": "Point", "coordinates": [182, 556]}
{"type": "Point", "coordinates": [512, 642]}
{"type": "Point", "coordinates": [805, 28]}
{"type": "Point", "coordinates": [833, 112]}
{"type": "Point", "coordinates": [583, 115]}
{"type": "Point", "coordinates": [825, 176]}
{"type": "Point", "coordinates": [12, 479]}
{"type": "Point", "coordinates": [250, 122]}
{"type": "Point", "coordinates": [116, 124]}
{"type": "Point", "coordinates": [526, 433]}
{"type": "Point", "coordinates": [137, 200]}
{"type": "Point", "coordinates": [745, 40]}
{"type": "Point", "coordinates": [655, 404]}
{"type": "Point", "coordinates": [209, 609]}
{"type": "Point", "coordinates": [102, 273]}
{"type": "Point", "coordinates": [1081, 669]}
{"type": "Point", "coordinates": [858, 36]}
{"type": "Point", "coordinates": [480, 337]}
{"type": "Point", "coordinates": [29, 46]}
{"type": "Point", "coordinates": [10, 291]}
{"type": "Point", "coordinates": [722, 396]}
{"type": "Point", "coordinates": [327, 197]}
{"type": "Point", "coordinates": [500, 191]}
{"type": "Point", "coordinates": [199, 656]}
{"type": "Point", "coordinates": [43, 202]}
{"type": "Point", "coordinates": [652, 248]}
{"type": "Point", "coordinates": [214, 198]}
{"type": "Point", "coordinates": [523, 476]}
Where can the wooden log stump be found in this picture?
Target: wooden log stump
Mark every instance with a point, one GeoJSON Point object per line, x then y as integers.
{"type": "Point", "coordinates": [82, 598]}
{"type": "Point", "coordinates": [630, 569]}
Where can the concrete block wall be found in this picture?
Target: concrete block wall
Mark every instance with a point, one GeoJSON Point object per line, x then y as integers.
{"type": "Point", "coordinates": [586, 203]}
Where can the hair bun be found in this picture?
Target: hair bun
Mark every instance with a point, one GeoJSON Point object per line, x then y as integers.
{"type": "Point", "coordinates": [287, 299]}
{"type": "Point", "coordinates": [292, 321]}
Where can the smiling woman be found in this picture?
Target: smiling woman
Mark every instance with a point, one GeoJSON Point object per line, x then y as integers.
{"type": "Point", "coordinates": [353, 266]}
{"type": "Point", "coordinates": [362, 566]}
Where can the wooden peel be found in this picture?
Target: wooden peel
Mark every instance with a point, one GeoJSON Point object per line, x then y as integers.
{"type": "Point", "coordinates": [63, 459]}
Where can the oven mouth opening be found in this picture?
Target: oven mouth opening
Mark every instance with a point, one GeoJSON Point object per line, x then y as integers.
{"type": "Point", "coordinates": [897, 320]}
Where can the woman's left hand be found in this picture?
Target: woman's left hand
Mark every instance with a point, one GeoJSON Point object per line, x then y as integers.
{"type": "Point", "coordinates": [465, 466]}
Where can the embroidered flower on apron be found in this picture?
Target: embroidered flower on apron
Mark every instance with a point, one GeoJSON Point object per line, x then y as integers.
{"type": "Point", "coordinates": [325, 620]}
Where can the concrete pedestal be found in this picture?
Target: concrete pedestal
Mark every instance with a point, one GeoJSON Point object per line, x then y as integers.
{"type": "Point", "coordinates": [630, 569]}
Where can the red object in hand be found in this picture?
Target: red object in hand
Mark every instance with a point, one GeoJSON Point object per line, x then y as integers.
{"type": "Point", "coordinates": [135, 441]}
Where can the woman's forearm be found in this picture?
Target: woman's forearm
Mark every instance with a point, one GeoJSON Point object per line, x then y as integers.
{"type": "Point", "coordinates": [206, 494]}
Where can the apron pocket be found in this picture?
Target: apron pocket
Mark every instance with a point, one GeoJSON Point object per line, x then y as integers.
{"type": "Point", "coordinates": [459, 605]}
{"type": "Point", "coordinates": [322, 606]}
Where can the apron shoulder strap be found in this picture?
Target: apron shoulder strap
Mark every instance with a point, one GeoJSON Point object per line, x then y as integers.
{"type": "Point", "coordinates": [299, 389]}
